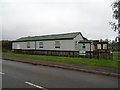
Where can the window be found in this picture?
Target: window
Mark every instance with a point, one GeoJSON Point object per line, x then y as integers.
{"type": "Point", "coordinates": [57, 44]}
{"type": "Point", "coordinates": [83, 46]}
{"type": "Point", "coordinates": [104, 46]}
{"type": "Point", "coordinates": [98, 46]}
{"type": "Point", "coordinates": [28, 44]}
{"type": "Point", "coordinates": [40, 44]}
{"type": "Point", "coordinates": [75, 44]}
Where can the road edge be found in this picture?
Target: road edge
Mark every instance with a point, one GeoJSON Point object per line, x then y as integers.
{"type": "Point", "coordinates": [69, 68]}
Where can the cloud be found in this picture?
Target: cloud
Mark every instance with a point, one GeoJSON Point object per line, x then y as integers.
{"type": "Point", "coordinates": [39, 17]}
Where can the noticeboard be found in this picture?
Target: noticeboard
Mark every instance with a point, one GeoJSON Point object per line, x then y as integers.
{"type": "Point", "coordinates": [82, 52]}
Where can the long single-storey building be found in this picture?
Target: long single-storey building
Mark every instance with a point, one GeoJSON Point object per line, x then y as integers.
{"type": "Point", "coordinates": [52, 44]}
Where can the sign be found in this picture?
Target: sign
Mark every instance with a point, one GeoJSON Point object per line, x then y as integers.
{"type": "Point", "coordinates": [82, 52]}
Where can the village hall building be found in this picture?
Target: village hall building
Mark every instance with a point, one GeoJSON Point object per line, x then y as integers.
{"type": "Point", "coordinates": [56, 44]}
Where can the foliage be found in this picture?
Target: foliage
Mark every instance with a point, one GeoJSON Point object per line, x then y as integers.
{"type": "Point", "coordinates": [6, 45]}
{"type": "Point", "coordinates": [96, 62]}
{"type": "Point", "coordinates": [115, 8]}
{"type": "Point", "coordinates": [116, 16]}
{"type": "Point", "coordinates": [116, 46]}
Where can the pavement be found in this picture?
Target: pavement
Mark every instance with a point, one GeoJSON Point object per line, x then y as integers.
{"type": "Point", "coordinates": [71, 66]}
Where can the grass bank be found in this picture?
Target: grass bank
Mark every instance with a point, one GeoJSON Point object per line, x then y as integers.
{"type": "Point", "coordinates": [116, 54]}
{"type": "Point", "coordinates": [96, 62]}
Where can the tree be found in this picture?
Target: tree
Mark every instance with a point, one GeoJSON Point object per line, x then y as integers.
{"type": "Point", "coordinates": [6, 45]}
{"type": "Point", "coordinates": [101, 40]}
{"type": "Point", "coordinates": [116, 16]}
{"type": "Point", "coordinates": [105, 40]}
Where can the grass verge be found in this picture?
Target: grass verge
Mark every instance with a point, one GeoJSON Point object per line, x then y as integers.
{"type": "Point", "coordinates": [96, 62]}
{"type": "Point", "coordinates": [116, 54]}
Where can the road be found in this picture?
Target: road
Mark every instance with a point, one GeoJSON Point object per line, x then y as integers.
{"type": "Point", "coordinates": [23, 75]}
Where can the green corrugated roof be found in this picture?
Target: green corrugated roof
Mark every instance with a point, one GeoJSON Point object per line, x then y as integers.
{"type": "Point", "coordinates": [50, 37]}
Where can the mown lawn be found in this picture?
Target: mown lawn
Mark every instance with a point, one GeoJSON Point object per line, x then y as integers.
{"type": "Point", "coordinates": [117, 54]}
{"type": "Point", "coordinates": [96, 62]}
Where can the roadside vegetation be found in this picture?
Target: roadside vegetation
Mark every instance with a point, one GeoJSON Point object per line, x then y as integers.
{"type": "Point", "coordinates": [6, 45]}
{"type": "Point", "coordinates": [116, 54]}
{"type": "Point", "coordinates": [88, 61]}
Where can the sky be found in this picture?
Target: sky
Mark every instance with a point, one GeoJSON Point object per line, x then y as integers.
{"type": "Point", "coordinates": [21, 18]}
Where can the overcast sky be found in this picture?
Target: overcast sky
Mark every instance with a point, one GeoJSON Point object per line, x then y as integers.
{"type": "Point", "coordinates": [20, 18]}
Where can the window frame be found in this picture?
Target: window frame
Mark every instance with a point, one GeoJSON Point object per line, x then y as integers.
{"type": "Point", "coordinates": [75, 44]}
{"type": "Point", "coordinates": [99, 46]}
{"type": "Point", "coordinates": [57, 45]}
{"type": "Point", "coordinates": [28, 44]}
{"type": "Point", "coordinates": [104, 46]}
{"type": "Point", "coordinates": [40, 44]}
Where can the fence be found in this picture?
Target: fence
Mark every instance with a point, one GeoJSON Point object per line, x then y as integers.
{"type": "Point", "coordinates": [94, 54]}
{"type": "Point", "coordinates": [98, 55]}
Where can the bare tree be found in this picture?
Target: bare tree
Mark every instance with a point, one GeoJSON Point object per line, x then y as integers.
{"type": "Point", "coordinates": [116, 16]}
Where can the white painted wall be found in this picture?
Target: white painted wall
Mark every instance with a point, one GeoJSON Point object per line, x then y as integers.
{"type": "Point", "coordinates": [77, 39]}
{"type": "Point", "coordinates": [68, 45]}
{"type": "Point", "coordinates": [50, 45]}
{"type": "Point", "coordinates": [87, 47]}
{"type": "Point", "coordinates": [23, 45]}
{"type": "Point", "coordinates": [47, 45]}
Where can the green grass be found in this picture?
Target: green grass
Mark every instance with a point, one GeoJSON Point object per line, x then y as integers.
{"type": "Point", "coordinates": [96, 62]}
{"type": "Point", "coordinates": [117, 54]}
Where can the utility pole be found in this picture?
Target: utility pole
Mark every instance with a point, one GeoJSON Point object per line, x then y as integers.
{"type": "Point", "coordinates": [90, 49]}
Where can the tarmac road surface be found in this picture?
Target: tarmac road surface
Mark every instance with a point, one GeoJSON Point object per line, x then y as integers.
{"type": "Point", "coordinates": [23, 75]}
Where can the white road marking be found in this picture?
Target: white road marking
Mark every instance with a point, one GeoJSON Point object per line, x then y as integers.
{"type": "Point", "coordinates": [29, 83]}
{"type": "Point", "coordinates": [2, 73]}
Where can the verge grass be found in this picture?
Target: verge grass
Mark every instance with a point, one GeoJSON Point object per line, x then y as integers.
{"type": "Point", "coordinates": [88, 61]}
{"type": "Point", "coordinates": [116, 54]}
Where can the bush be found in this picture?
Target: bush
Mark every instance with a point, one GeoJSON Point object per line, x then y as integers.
{"type": "Point", "coordinates": [6, 45]}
